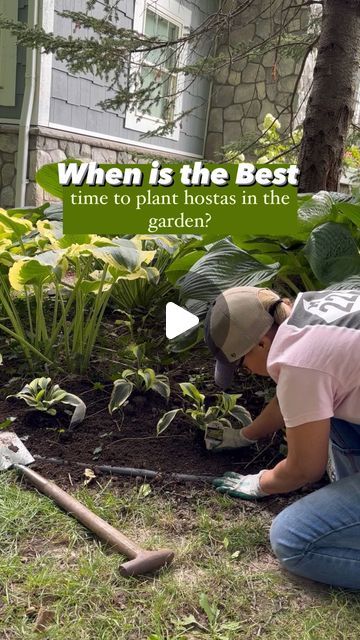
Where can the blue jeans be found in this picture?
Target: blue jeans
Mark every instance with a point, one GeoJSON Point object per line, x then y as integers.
{"type": "Point", "coordinates": [318, 537]}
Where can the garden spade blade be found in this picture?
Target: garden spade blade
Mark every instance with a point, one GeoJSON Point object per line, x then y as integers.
{"type": "Point", "coordinates": [12, 451]}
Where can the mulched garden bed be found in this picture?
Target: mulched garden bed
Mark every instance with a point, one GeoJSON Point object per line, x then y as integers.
{"type": "Point", "coordinates": [128, 438]}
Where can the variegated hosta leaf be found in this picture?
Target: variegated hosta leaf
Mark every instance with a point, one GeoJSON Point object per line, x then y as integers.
{"type": "Point", "coordinates": [166, 419]}
{"type": "Point", "coordinates": [32, 272]}
{"type": "Point", "coordinates": [167, 242]}
{"type": "Point", "coordinates": [148, 376]}
{"type": "Point", "coordinates": [14, 225]}
{"type": "Point", "coordinates": [5, 243]}
{"type": "Point", "coordinates": [120, 393]}
{"type": "Point", "coordinates": [123, 253]}
{"type": "Point", "coordinates": [192, 392]}
{"type": "Point", "coordinates": [161, 385]}
{"type": "Point", "coordinates": [53, 231]}
{"type": "Point", "coordinates": [79, 408]}
{"type": "Point", "coordinates": [241, 415]}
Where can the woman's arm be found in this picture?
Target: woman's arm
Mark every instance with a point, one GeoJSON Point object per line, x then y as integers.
{"type": "Point", "coordinates": [269, 421]}
{"type": "Point", "coordinates": [306, 460]}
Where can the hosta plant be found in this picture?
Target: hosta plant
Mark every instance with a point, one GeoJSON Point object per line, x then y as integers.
{"type": "Point", "coordinates": [137, 378]}
{"type": "Point", "coordinates": [224, 409]}
{"type": "Point", "coordinates": [41, 395]}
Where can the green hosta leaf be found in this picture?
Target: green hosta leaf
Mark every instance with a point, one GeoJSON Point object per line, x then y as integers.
{"type": "Point", "coordinates": [120, 393]}
{"type": "Point", "coordinates": [40, 395]}
{"type": "Point", "coordinates": [192, 392]}
{"type": "Point", "coordinates": [224, 266]}
{"type": "Point", "coordinates": [95, 286]}
{"type": "Point", "coordinates": [166, 419]}
{"type": "Point", "coordinates": [47, 178]}
{"type": "Point", "coordinates": [350, 211]}
{"type": "Point", "coordinates": [180, 266]}
{"type": "Point", "coordinates": [314, 209]}
{"type": "Point", "coordinates": [349, 283]}
{"type": "Point", "coordinates": [137, 351]}
{"type": "Point", "coordinates": [332, 253]}
{"type": "Point", "coordinates": [52, 230]}
{"type": "Point", "coordinates": [187, 340]}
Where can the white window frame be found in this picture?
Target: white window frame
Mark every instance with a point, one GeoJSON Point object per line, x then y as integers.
{"type": "Point", "coordinates": [8, 52]}
{"type": "Point", "coordinates": [176, 13]}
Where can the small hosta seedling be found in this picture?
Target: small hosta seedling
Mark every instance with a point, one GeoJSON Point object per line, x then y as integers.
{"type": "Point", "coordinates": [142, 380]}
{"type": "Point", "coordinates": [41, 395]}
{"type": "Point", "coordinates": [224, 409]}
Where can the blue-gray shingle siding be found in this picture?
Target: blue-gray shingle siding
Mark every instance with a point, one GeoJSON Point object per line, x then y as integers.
{"type": "Point", "coordinates": [74, 99]}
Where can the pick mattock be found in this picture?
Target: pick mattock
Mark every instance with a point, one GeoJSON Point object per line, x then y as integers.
{"type": "Point", "coordinates": [13, 453]}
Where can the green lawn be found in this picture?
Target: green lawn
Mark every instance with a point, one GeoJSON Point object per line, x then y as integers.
{"type": "Point", "coordinates": [224, 583]}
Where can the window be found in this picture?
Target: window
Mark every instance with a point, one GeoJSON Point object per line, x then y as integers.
{"type": "Point", "coordinates": [157, 65]}
{"type": "Point", "coordinates": [154, 69]}
{"type": "Point", "coordinates": [9, 9]}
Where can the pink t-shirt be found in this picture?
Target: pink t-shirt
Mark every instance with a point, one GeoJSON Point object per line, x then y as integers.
{"type": "Point", "coordinates": [315, 358]}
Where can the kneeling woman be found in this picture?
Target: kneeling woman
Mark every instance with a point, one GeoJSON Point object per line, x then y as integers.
{"type": "Point", "coordinates": [312, 351]}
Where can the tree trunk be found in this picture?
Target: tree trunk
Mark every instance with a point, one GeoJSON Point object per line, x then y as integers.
{"type": "Point", "coordinates": [331, 104]}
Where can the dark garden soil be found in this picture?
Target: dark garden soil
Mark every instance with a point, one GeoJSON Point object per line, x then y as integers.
{"type": "Point", "coordinates": [128, 438]}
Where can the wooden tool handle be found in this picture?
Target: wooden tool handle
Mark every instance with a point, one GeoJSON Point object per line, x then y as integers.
{"type": "Point", "coordinates": [97, 525]}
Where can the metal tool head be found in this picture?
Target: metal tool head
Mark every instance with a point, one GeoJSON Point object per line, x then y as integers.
{"type": "Point", "coordinates": [13, 451]}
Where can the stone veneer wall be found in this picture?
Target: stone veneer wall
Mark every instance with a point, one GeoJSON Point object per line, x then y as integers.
{"type": "Point", "coordinates": [245, 90]}
{"type": "Point", "coordinates": [8, 157]}
{"type": "Point", "coordinates": [52, 145]}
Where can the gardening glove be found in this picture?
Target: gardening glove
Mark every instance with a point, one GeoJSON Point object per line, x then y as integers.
{"type": "Point", "coordinates": [238, 486]}
{"type": "Point", "coordinates": [219, 437]}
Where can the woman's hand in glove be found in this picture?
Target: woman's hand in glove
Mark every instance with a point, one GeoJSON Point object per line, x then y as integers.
{"type": "Point", "coordinates": [238, 486]}
{"type": "Point", "coordinates": [219, 437]}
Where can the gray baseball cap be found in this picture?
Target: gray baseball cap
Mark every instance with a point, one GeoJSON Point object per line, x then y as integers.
{"type": "Point", "coordinates": [235, 323]}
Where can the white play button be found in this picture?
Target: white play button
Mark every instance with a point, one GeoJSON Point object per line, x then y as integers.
{"type": "Point", "coordinates": [178, 320]}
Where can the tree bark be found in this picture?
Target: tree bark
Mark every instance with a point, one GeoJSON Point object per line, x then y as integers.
{"type": "Point", "coordinates": [331, 104]}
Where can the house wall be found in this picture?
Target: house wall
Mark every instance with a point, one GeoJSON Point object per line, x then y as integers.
{"type": "Point", "coordinates": [13, 113]}
{"type": "Point", "coordinates": [246, 89]}
{"type": "Point", "coordinates": [74, 100]}
{"type": "Point", "coordinates": [76, 125]}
